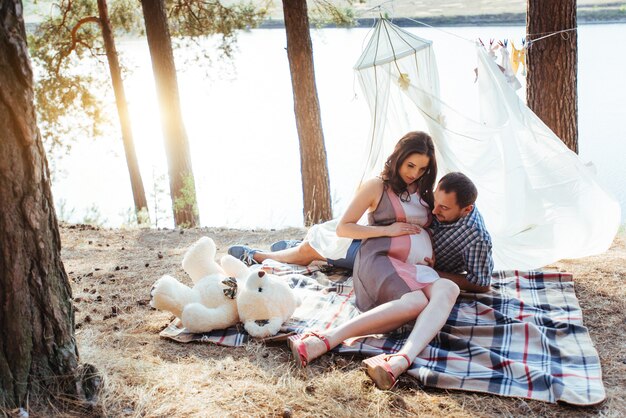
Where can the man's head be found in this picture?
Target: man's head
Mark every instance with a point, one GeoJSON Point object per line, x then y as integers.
{"type": "Point", "coordinates": [454, 197]}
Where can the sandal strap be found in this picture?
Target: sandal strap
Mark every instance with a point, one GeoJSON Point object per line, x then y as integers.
{"type": "Point", "coordinates": [388, 368]}
{"type": "Point", "coordinates": [301, 345]}
{"type": "Point", "coordinates": [408, 360]}
{"type": "Point", "coordinates": [319, 337]}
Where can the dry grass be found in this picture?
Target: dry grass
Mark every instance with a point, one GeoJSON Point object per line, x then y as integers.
{"type": "Point", "coordinates": [112, 272]}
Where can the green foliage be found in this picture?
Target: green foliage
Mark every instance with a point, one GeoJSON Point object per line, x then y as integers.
{"type": "Point", "coordinates": [65, 48]}
{"type": "Point", "coordinates": [133, 219]}
{"type": "Point", "coordinates": [187, 199]}
{"type": "Point", "coordinates": [93, 216]}
{"type": "Point", "coordinates": [143, 217]}
{"type": "Point", "coordinates": [326, 12]}
{"type": "Point", "coordinates": [198, 18]}
{"type": "Point", "coordinates": [126, 17]}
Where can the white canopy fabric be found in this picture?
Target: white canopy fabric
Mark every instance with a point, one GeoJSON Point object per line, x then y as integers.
{"type": "Point", "coordinates": [539, 201]}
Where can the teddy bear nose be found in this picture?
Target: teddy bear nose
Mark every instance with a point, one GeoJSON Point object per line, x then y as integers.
{"type": "Point", "coordinates": [261, 273]}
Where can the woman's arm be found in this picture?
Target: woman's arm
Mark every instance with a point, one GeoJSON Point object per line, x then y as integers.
{"type": "Point", "coordinates": [366, 198]}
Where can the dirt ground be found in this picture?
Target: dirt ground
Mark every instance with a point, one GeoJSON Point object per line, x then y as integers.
{"type": "Point", "coordinates": [112, 271]}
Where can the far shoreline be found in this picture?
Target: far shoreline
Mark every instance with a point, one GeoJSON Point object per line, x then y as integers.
{"type": "Point", "coordinates": [584, 17]}
{"type": "Point", "coordinates": [591, 17]}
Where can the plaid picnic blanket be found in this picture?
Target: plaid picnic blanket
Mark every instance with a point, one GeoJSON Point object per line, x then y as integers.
{"type": "Point", "coordinates": [525, 338]}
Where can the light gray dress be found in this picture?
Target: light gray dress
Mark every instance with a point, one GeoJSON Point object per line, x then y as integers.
{"type": "Point", "coordinates": [388, 267]}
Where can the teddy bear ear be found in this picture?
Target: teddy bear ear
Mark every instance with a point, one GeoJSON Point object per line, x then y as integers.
{"type": "Point", "coordinates": [261, 273]}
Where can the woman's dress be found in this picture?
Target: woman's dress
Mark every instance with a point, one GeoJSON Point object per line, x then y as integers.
{"type": "Point", "coordinates": [323, 238]}
{"type": "Point", "coordinates": [388, 267]}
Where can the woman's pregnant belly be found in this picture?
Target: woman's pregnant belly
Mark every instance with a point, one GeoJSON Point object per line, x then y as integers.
{"type": "Point", "coordinates": [412, 249]}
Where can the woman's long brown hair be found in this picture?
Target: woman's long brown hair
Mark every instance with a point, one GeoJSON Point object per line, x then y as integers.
{"type": "Point", "coordinates": [412, 143]}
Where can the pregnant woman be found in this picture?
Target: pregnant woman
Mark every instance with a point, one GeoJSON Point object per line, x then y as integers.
{"type": "Point", "coordinates": [394, 284]}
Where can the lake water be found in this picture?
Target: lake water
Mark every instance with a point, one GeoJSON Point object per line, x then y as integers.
{"type": "Point", "coordinates": [243, 137]}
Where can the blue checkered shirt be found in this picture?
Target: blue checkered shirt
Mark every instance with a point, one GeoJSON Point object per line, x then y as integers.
{"type": "Point", "coordinates": [464, 247]}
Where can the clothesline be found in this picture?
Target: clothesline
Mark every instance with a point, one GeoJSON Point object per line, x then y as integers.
{"type": "Point", "coordinates": [442, 30]}
{"type": "Point", "coordinates": [526, 43]}
{"type": "Point", "coordinates": [529, 42]}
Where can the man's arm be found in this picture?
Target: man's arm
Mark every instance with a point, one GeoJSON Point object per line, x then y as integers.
{"type": "Point", "coordinates": [459, 279]}
{"type": "Point", "coordinates": [463, 283]}
{"type": "Point", "coordinates": [478, 264]}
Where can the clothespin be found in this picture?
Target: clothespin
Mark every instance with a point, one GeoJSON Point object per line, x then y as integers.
{"type": "Point", "coordinates": [493, 47]}
{"type": "Point", "coordinates": [528, 42]}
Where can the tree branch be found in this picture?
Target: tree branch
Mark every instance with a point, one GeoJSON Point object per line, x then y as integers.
{"type": "Point", "coordinates": [75, 40]}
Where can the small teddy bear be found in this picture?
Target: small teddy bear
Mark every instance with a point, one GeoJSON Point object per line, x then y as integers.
{"type": "Point", "coordinates": [264, 303]}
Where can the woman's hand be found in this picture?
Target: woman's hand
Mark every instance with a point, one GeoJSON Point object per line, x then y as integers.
{"type": "Point", "coordinates": [402, 228]}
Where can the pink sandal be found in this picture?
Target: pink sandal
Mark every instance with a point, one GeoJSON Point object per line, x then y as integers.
{"type": "Point", "coordinates": [384, 370]}
{"type": "Point", "coordinates": [304, 348]}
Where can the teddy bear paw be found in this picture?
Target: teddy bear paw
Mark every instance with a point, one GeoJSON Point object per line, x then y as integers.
{"type": "Point", "coordinates": [166, 295]}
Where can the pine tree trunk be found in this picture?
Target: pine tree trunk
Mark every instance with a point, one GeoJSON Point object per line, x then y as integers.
{"type": "Point", "coordinates": [139, 194]}
{"type": "Point", "coordinates": [38, 353]}
{"type": "Point", "coordinates": [314, 166]}
{"type": "Point", "coordinates": [182, 186]}
{"type": "Point", "coordinates": [551, 90]}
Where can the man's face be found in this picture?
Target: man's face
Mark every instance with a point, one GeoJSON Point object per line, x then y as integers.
{"type": "Point", "coordinates": [446, 208]}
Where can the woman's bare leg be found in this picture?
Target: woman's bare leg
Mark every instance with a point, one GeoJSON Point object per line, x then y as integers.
{"type": "Point", "coordinates": [302, 254]}
{"type": "Point", "coordinates": [442, 295]}
{"type": "Point", "coordinates": [431, 306]}
{"type": "Point", "coordinates": [384, 318]}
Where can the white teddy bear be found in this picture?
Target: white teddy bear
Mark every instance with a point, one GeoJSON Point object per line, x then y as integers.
{"type": "Point", "coordinates": [262, 301]}
{"type": "Point", "coordinates": [206, 306]}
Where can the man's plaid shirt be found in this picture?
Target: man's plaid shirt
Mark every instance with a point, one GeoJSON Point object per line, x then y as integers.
{"type": "Point", "coordinates": [464, 247]}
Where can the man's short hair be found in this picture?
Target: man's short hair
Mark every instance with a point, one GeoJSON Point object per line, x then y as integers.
{"type": "Point", "coordinates": [460, 184]}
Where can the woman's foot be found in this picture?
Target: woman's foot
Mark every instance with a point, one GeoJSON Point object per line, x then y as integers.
{"type": "Point", "coordinates": [307, 347]}
{"type": "Point", "coordinates": [284, 244]}
{"type": "Point", "coordinates": [384, 369]}
{"type": "Point", "coordinates": [244, 253]}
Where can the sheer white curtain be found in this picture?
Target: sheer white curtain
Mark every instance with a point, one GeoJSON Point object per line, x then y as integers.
{"type": "Point", "coordinates": [539, 202]}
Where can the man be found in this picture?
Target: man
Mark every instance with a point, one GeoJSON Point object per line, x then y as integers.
{"type": "Point", "coordinates": [461, 242]}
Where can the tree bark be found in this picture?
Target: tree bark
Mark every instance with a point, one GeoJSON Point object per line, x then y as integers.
{"type": "Point", "coordinates": [313, 161]}
{"type": "Point", "coordinates": [551, 83]}
{"type": "Point", "coordinates": [38, 353]}
{"type": "Point", "coordinates": [139, 194]}
{"type": "Point", "coordinates": [182, 186]}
